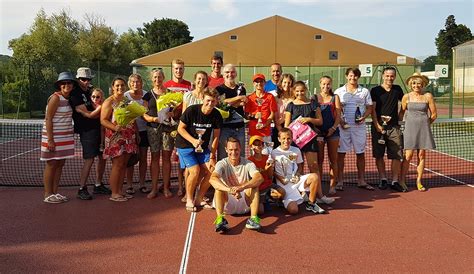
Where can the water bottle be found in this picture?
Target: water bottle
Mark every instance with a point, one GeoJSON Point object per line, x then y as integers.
{"type": "Point", "coordinates": [358, 115]}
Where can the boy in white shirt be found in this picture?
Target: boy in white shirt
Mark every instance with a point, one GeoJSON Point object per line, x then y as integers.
{"type": "Point", "coordinates": [288, 167]}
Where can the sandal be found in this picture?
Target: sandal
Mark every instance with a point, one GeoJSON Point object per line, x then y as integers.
{"type": "Point", "coordinates": [420, 187]}
{"type": "Point", "coordinates": [190, 208]}
{"type": "Point", "coordinates": [118, 199]}
{"type": "Point", "coordinates": [127, 196]}
{"type": "Point", "coordinates": [144, 190]}
{"type": "Point", "coordinates": [183, 200]}
{"type": "Point", "coordinates": [152, 195]}
{"type": "Point", "coordinates": [168, 194]}
{"type": "Point", "coordinates": [366, 187]}
{"type": "Point", "coordinates": [180, 192]}
{"type": "Point", "coordinates": [52, 199]}
{"type": "Point", "coordinates": [62, 197]}
{"type": "Point", "coordinates": [340, 187]}
{"type": "Point", "coordinates": [205, 205]}
{"type": "Point", "coordinates": [130, 190]}
{"type": "Point", "coordinates": [332, 191]}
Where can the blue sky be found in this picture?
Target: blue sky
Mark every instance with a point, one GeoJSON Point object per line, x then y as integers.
{"type": "Point", "coordinates": [408, 27]}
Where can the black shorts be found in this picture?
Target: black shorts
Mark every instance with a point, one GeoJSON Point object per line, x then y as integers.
{"type": "Point", "coordinates": [90, 141]}
{"type": "Point", "coordinates": [143, 139]}
{"type": "Point", "coordinates": [311, 146]}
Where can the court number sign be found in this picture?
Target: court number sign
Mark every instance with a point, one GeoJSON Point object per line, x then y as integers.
{"type": "Point", "coordinates": [366, 70]}
{"type": "Point", "coordinates": [441, 71]}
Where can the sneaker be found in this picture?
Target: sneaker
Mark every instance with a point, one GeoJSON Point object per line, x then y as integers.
{"type": "Point", "coordinates": [221, 224]}
{"type": "Point", "coordinates": [383, 184]}
{"type": "Point", "coordinates": [253, 223]}
{"type": "Point", "coordinates": [396, 186]}
{"type": "Point", "coordinates": [325, 200]}
{"type": "Point", "coordinates": [315, 208]}
{"type": "Point", "coordinates": [101, 189]}
{"type": "Point", "coordinates": [83, 194]}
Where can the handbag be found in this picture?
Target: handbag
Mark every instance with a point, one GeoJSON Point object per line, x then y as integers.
{"type": "Point", "coordinates": [302, 133]}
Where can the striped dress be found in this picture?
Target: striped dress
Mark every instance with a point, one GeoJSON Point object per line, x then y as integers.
{"type": "Point", "coordinates": [63, 133]}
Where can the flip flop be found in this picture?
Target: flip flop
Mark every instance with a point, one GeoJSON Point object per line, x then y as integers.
{"type": "Point", "coordinates": [340, 187]}
{"type": "Point", "coordinates": [118, 199]}
{"type": "Point", "coordinates": [205, 205]}
{"type": "Point", "coordinates": [180, 192]}
{"type": "Point", "coordinates": [366, 187]}
{"type": "Point", "coordinates": [130, 190]}
{"type": "Point", "coordinates": [127, 196]}
{"type": "Point", "coordinates": [183, 200]}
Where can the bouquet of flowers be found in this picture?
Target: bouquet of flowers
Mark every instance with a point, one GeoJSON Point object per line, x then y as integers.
{"type": "Point", "coordinates": [169, 100]}
{"type": "Point", "coordinates": [127, 111]}
{"type": "Point", "coordinates": [223, 107]}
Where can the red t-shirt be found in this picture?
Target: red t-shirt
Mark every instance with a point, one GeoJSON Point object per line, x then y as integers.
{"type": "Point", "coordinates": [260, 164]}
{"type": "Point", "coordinates": [182, 87]}
{"type": "Point", "coordinates": [268, 106]}
{"type": "Point", "coordinates": [215, 82]}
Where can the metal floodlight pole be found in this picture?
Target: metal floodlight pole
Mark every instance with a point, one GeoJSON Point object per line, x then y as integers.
{"type": "Point", "coordinates": [453, 84]}
{"type": "Point", "coordinates": [463, 84]}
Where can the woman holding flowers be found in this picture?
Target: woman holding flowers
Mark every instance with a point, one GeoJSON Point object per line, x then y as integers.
{"type": "Point", "coordinates": [120, 139]}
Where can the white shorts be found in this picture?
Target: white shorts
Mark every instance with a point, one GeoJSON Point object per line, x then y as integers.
{"type": "Point", "coordinates": [354, 137]}
{"type": "Point", "coordinates": [234, 206]}
{"type": "Point", "coordinates": [293, 191]}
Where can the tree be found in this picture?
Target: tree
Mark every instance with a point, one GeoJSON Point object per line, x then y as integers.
{"type": "Point", "coordinates": [130, 47]}
{"type": "Point", "coordinates": [429, 63]}
{"type": "Point", "coordinates": [163, 34]}
{"type": "Point", "coordinates": [451, 36]}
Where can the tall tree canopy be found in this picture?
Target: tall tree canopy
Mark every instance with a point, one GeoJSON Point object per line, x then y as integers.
{"type": "Point", "coordinates": [162, 34]}
{"type": "Point", "coordinates": [451, 36]}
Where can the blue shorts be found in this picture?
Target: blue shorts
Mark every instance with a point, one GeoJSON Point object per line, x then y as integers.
{"type": "Point", "coordinates": [188, 157]}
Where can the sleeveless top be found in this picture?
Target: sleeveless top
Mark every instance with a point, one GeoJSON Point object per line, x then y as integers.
{"type": "Point", "coordinates": [118, 143]}
{"type": "Point", "coordinates": [328, 113]}
{"type": "Point", "coordinates": [417, 133]}
{"type": "Point", "coordinates": [63, 132]}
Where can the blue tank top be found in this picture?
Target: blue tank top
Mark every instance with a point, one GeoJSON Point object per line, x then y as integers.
{"type": "Point", "coordinates": [328, 111]}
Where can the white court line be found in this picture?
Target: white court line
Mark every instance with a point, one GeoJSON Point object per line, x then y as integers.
{"type": "Point", "coordinates": [454, 156]}
{"type": "Point", "coordinates": [19, 154]}
{"type": "Point", "coordinates": [445, 176]}
{"type": "Point", "coordinates": [12, 141]}
{"type": "Point", "coordinates": [187, 244]}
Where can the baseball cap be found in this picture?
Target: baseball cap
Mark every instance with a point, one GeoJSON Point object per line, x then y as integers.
{"type": "Point", "coordinates": [258, 76]}
{"type": "Point", "coordinates": [254, 138]}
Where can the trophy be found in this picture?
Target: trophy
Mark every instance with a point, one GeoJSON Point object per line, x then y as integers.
{"type": "Point", "coordinates": [258, 115]}
{"type": "Point", "coordinates": [267, 150]}
{"type": "Point", "coordinates": [200, 132]}
{"type": "Point", "coordinates": [292, 157]}
{"type": "Point", "coordinates": [385, 120]}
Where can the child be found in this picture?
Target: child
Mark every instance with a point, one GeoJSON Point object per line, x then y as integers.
{"type": "Point", "coordinates": [288, 167]}
{"type": "Point", "coordinates": [261, 108]}
{"type": "Point", "coordinates": [265, 165]}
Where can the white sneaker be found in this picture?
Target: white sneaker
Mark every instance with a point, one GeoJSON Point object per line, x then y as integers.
{"type": "Point", "coordinates": [325, 200]}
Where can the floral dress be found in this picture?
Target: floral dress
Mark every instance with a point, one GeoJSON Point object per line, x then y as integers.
{"type": "Point", "coordinates": [118, 143]}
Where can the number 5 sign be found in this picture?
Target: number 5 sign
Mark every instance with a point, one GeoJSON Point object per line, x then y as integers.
{"type": "Point", "coordinates": [366, 70]}
{"type": "Point", "coordinates": [441, 71]}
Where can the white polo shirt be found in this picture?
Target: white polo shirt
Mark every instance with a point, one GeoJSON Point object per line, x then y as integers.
{"type": "Point", "coordinates": [350, 101]}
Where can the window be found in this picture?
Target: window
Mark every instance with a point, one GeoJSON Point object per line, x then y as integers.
{"type": "Point", "coordinates": [318, 37]}
{"type": "Point", "coordinates": [233, 37]}
{"type": "Point", "coordinates": [333, 55]}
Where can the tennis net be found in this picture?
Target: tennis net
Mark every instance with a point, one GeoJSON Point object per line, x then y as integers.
{"type": "Point", "coordinates": [451, 163]}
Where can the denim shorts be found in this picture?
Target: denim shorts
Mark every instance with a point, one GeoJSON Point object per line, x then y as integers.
{"type": "Point", "coordinates": [189, 158]}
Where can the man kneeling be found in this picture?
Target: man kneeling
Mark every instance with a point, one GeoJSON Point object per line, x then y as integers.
{"type": "Point", "coordinates": [288, 167]}
{"type": "Point", "coordinates": [236, 181]}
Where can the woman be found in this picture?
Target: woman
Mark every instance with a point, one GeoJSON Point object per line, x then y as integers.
{"type": "Point", "coordinates": [120, 142]}
{"type": "Point", "coordinates": [284, 96]}
{"type": "Point", "coordinates": [159, 135]}
{"type": "Point", "coordinates": [417, 133]}
{"type": "Point", "coordinates": [331, 112]}
{"type": "Point", "coordinates": [57, 138]}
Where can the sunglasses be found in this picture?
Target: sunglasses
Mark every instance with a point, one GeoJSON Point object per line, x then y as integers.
{"type": "Point", "coordinates": [85, 79]}
{"type": "Point", "coordinates": [96, 96]}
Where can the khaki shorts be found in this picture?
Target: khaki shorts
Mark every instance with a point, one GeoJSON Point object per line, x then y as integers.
{"type": "Point", "coordinates": [393, 143]}
{"type": "Point", "coordinates": [160, 138]}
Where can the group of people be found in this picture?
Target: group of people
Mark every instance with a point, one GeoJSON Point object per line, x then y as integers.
{"type": "Point", "coordinates": [207, 132]}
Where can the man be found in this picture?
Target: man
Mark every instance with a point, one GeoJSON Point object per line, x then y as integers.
{"type": "Point", "coordinates": [197, 124]}
{"type": "Point", "coordinates": [233, 95]}
{"type": "Point", "coordinates": [215, 78]}
{"type": "Point", "coordinates": [236, 181]}
{"type": "Point", "coordinates": [177, 83]}
{"type": "Point", "coordinates": [385, 100]}
{"type": "Point", "coordinates": [355, 100]}
{"type": "Point", "coordinates": [271, 85]}
{"type": "Point", "coordinates": [87, 125]}
{"type": "Point", "coordinates": [136, 92]}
